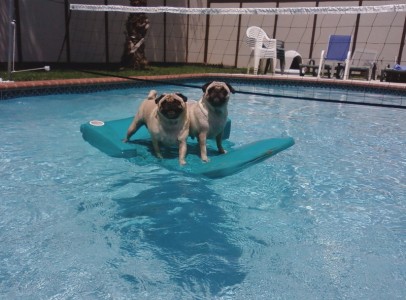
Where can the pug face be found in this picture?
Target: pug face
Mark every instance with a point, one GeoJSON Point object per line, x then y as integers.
{"type": "Point", "coordinates": [217, 93]}
{"type": "Point", "coordinates": [171, 106]}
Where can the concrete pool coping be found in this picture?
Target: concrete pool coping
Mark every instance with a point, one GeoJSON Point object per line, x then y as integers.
{"type": "Point", "coordinates": [11, 89]}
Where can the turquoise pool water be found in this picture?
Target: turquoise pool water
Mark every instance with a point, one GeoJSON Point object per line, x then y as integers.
{"type": "Point", "coordinates": [324, 219]}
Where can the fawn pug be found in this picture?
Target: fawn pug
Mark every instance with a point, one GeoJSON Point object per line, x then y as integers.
{"type": "Point", "coordinates": [166, 118]}
{"type": "Point", "coordinates": [208, 116]}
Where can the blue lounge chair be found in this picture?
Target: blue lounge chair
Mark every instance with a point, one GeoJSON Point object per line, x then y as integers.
{"type": "Point", "coordinates": [338, 51]}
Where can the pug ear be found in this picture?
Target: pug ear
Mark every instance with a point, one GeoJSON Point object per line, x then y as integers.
{"type": "Point", "coordinates": [184, 98]}
{"type": "Point", "coordinates": [232, 90]}
{"type": "Point", "coordinates": [206, 85]}
{"type": "Point", "coordinates": [159, 98]}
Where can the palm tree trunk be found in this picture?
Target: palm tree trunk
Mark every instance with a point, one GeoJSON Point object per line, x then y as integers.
{"type": "Point", "coordinates": [134, 49]}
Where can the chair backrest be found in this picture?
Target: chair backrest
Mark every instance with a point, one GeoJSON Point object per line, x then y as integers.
{"type": "Point", "coordinates": [364, 58]}
{"type": "Point", "coordinates": [338, 47]}
{"type": "Point", "coordinates": [255, 37]}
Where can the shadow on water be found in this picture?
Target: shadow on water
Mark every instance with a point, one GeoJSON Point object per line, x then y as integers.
{"type": "Point", "coordinates": [180, 221]}
{"type": "Point", "coordinates": [171, 153]}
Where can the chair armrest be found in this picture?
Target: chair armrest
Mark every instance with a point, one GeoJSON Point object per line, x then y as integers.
{"type": "Point", "coordinates": [321, 64]}
{"type": "Point", "coordinates": [269, 43]}
{"type": "Point", "coordinates": [348, 63]}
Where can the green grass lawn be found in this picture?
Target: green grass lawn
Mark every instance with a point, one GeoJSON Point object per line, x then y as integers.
{"type": "Point", "coordinates": [66, 73]}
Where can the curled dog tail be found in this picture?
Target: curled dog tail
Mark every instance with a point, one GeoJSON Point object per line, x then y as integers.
{"type": "Point", "coordinates": [152, 94]}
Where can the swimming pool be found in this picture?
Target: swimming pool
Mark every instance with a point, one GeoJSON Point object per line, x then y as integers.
{"type": "Point", "coordinates": [324, 219]}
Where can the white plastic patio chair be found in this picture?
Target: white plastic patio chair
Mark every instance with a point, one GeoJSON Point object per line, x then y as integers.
{"type": "Point", "coordinates": [261, 47]}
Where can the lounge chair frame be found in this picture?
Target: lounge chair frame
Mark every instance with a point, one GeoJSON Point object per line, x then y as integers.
{"type": "Point", "coordinates": [362, 64]}
{"type": "Point", "coordinates": [391, 75]}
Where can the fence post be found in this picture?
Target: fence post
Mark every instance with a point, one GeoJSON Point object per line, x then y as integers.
{"type": "Point", "coordinates": [10, 39]}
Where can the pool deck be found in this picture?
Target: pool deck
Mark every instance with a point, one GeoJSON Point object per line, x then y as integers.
{"type": "Point", "coordinates": [11, 86]}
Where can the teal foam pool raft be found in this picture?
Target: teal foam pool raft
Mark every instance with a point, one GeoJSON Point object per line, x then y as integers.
{"type": "Point", "coordinates": [108, 138]}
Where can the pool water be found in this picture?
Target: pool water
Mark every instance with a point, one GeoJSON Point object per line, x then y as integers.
{"type": "Point", "coordinates": [325, 219]}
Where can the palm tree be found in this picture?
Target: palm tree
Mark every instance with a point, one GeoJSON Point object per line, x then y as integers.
{"type": "Point", "coordinates": [136, 28]}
